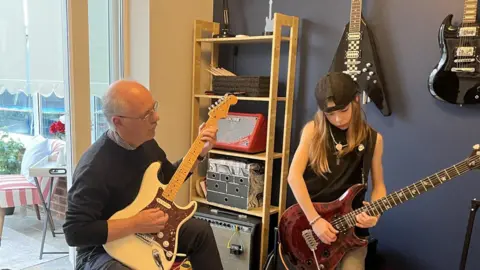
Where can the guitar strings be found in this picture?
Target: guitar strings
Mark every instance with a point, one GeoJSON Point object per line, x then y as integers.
{"type": "Point", "coordinates": [350, 218]}
{"type": "Point", "coordinates": [377, 203]}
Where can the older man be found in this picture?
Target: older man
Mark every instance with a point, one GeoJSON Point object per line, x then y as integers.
{"type": "Point", "coordinates": [108, 177]}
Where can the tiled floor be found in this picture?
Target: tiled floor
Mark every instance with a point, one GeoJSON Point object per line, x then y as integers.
{"type": "Point", "coordinates": [26, 222]}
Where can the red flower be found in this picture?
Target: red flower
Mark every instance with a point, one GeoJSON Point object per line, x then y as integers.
{"type": "Point", "coordinates": [57, 127]}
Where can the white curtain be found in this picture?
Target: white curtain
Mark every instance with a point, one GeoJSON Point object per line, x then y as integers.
{"type": "Point", "coordinates": [12, 46]}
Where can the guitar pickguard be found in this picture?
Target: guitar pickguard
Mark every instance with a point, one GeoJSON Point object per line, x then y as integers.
{"type": "Point", "coordinates": [166, 239]}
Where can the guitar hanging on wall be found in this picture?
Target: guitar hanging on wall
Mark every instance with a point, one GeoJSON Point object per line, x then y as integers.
{"type": "Point", "coordinates": [357, 56]}
{"type": "Point", "coordinates": [158, 250]}
{"type": "Point", "coordinates": [456, 78]}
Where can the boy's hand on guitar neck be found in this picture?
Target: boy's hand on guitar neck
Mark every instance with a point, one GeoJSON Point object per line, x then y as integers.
{"type": "Point", "coordinates": [151, 220]}
{"type": "Point", "coordinates": [325, 231]}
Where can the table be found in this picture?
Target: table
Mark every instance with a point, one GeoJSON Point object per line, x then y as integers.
{"type": "Point", "coordinates": [47, 168]}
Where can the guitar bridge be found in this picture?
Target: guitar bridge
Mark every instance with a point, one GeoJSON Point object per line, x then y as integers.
{"type": "Point", "coordinates": [464, 69]}
{"type": "Point", "coordinates": [464, 60]}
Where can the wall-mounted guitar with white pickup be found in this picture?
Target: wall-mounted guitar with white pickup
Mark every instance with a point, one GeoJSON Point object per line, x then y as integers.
{"type": "Point", "coordinates": [456, 77]}
{"type": "Point", "coordinates": [357, 56]}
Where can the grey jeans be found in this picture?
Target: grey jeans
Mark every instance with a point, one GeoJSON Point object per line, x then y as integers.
{"type": "Point", "coordinates": [353, 260]}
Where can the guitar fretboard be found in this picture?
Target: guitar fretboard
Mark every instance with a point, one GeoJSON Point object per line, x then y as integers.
{"type": "Point", "coordinates": [396, 198]}
{"type": "Point", "coordinates": [355, 16]}
{"type": "Point", "coordinates": [185, 167]}
{"type": "Point", "coordinates": [470, 11]}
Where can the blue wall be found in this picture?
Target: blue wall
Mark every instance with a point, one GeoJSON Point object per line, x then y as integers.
{"type": "Point", "coordinates": [421, 137]}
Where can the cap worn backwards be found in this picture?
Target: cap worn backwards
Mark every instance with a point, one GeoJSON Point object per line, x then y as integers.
{"type": "Point", "coordinates": [337, 87]}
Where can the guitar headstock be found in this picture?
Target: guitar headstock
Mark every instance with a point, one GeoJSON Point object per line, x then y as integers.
{"type": "Point", "coordinates": [221, 107]}
{"type": "Point", "coordinates": [474, 159]}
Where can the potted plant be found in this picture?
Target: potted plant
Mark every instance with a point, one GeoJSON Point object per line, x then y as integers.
{"type": "Point", "coordinates": [11, 154]}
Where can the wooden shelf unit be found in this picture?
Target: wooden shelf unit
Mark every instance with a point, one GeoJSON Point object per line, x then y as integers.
{"type": "Point", "coordinates": [210, 28]}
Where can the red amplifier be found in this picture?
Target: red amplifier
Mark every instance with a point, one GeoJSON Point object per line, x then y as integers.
{"type": "Point", "coordinates": [243, 132]}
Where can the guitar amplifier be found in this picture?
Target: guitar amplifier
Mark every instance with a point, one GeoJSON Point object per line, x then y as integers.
{"type": "Point", "coordinates": [237, 237]}
{"type": "Point", "coordinates": [243, 132]}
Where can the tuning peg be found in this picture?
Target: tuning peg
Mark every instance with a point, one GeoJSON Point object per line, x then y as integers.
{"type": "Point", "coordinates": [476, 147]}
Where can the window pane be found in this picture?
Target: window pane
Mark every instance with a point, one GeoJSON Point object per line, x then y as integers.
{"type": "Point", "coordinates": [16, 107]}
{"type": "Point", "coordinates": [52, 107]}
{"type": "Point", "coordinates": [104, 20]}
{"type": "Point", "coordinates": [16, 113]}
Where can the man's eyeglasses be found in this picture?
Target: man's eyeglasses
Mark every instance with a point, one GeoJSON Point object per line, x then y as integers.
{"type": "Point", "coordinates": [148, 115]}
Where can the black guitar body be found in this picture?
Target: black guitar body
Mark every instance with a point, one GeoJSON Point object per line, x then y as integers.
{"type": "Point", "coordinates": [364, 67]}
{"type": "Point", "coordinates": [459, 87]}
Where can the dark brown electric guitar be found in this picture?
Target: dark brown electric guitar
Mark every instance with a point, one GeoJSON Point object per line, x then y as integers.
{"type": "Point", "coordinates": [299, 246]}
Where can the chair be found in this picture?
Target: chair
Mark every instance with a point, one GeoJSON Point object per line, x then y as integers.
{"type": "Point", "coordinates": [16, 190]}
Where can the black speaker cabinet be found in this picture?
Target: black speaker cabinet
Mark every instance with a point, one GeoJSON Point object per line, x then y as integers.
{"type": "Point", "coordinates": [237, 236]}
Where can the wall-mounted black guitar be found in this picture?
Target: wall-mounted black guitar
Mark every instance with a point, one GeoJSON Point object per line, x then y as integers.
{"type": "Point", "coordinates": [456, 78]}
{"type": "Point", "coordinates": [356, 56]}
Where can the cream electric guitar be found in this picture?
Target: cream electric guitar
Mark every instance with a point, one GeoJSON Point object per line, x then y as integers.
{"type": "Point", "coordinates": [158, 250]}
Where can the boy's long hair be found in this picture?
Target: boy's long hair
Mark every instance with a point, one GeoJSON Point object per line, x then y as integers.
{"type": "Point", "coordinates": [356, 134]}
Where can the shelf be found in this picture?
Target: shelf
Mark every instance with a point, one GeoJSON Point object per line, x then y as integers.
{"type": "Point", "coordinates": [254, 212]}
{"type": "Point", "coordinates": [250, 39]}
{"type": "Point", "coordinates": [258, 156]}
{"type": "Point", "coordinates": [240, 97]}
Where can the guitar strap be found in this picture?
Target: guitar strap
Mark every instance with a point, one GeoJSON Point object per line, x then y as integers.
{"type": "Point", "coordinates": [370, 143]}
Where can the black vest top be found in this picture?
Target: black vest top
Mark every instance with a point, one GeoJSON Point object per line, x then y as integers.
{"type": "Point", "coordinates": [353, 168]}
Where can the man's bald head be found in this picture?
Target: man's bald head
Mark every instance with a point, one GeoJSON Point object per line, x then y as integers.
{"type": "Point", "coordinates": [126, 98]}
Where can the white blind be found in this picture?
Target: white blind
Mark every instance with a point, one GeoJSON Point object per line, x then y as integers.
{"type": "Point", "coordinates": [12, 46]}
{"type": "Point", "coordinates": [42, 66]}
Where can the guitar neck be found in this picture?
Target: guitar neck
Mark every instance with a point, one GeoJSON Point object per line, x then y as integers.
{"type": "Point", "coordinates": [356, 16]}
{"type": "Point", "coordinates": [470, 11]}
{"type": "Point", "coordinates": [397, 198]}
{"type": "Point", "coordinates": [183, 170]}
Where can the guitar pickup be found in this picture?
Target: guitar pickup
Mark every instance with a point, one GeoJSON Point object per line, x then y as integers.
{"type": "Point", "coordinates": [354, 36]}
{"type": "Point", "coordinates": [465, 51]}
{"type": "Point", "coordinates": [467, 31]}
{"type": "Point", "coordinates": [463, 69]}
{"type": "Point", "coordinates": [353, 54]}
{"type": "Point", "coordinates": [465, 60]}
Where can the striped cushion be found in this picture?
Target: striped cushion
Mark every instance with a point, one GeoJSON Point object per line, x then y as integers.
{"type": "Point", "coordinates": [16, 190]}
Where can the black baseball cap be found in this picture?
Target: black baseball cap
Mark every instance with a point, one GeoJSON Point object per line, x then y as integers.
{"type": "Point", "coordinates": [337, 87]}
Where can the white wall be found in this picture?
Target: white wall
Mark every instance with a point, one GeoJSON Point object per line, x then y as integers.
{"type": "Point", "coordinates": [161, 46]}
{"type": "Point", "coordinates": [139, 40]}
